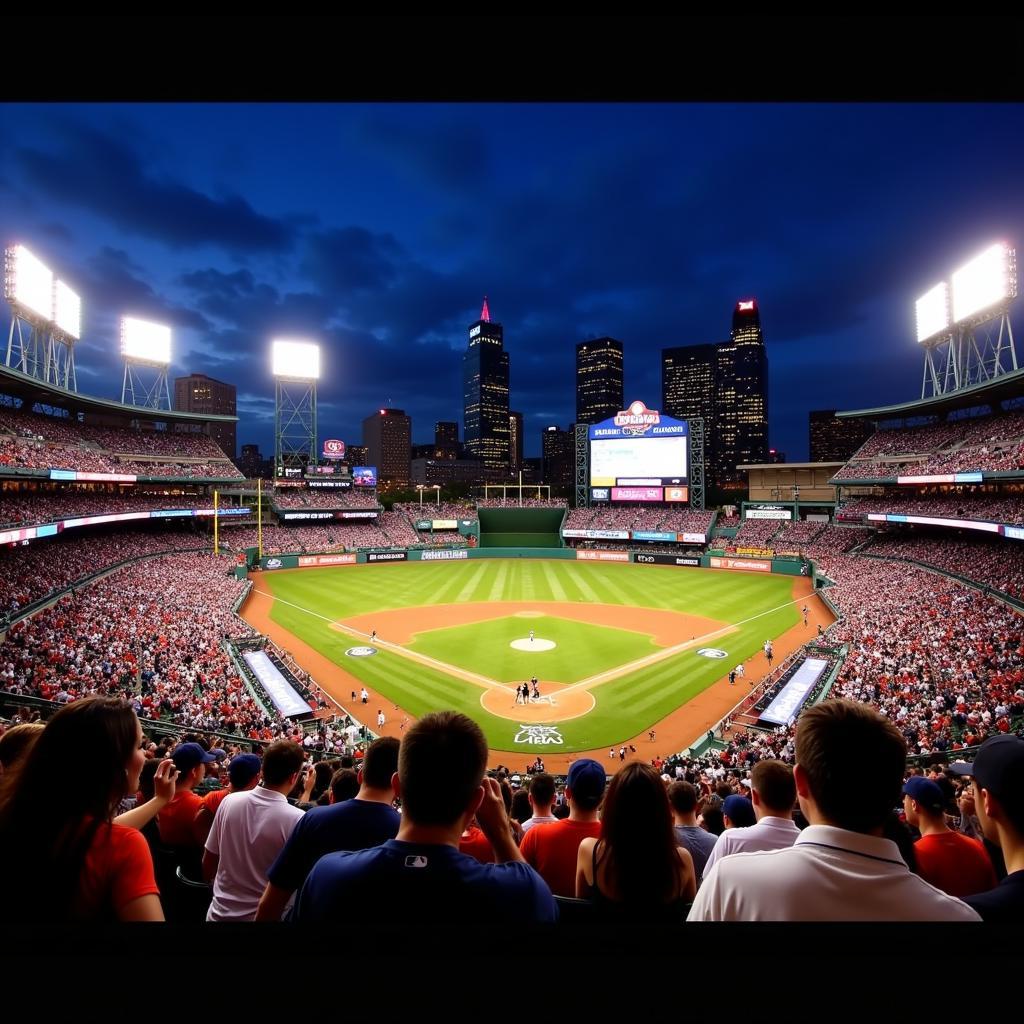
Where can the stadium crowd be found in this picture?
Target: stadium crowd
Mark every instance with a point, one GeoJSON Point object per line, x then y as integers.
{"type": "Point", "coordinates": [1008, 508]}
{"type": "Point", "coordinates": [18, 507]}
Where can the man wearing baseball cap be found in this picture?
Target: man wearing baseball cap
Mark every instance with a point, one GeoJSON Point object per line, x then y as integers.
{"type": "Point", "coordinates": [948, 860]}
{"type": "Point", "coordinates": [998, 773]}
{"type": "Point", "coordinates": [243, 774]}
{"type": "Point", "coordinates": [552, 850]}
{"type": "Point", "coordinates": [176, 821]}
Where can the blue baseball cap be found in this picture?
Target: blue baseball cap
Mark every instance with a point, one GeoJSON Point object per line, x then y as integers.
{"type": "Point", "coordinates": [243, 769]}
{"type": "Point", "coordinates": [586, 780]}
{"type": "Point", "coordinates": [188, 755]}
{"type": "Point", "coordinates": [924, 792]}
{"type": "Point", "coordinates": [739, 810]}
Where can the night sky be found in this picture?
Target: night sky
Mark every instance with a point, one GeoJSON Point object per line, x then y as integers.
{"type": "Point", "coordinates": [376, 229]}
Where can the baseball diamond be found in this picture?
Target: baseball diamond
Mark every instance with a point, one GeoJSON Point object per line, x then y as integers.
{"type": "Point", "coordinates": [620, 655]}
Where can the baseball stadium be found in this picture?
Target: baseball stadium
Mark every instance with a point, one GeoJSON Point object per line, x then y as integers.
{"type": "Point", "coordinates": [241, 621]}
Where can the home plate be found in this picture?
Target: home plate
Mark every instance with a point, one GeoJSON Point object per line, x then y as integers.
{"type": "Point", "coordinates": [533, 645]}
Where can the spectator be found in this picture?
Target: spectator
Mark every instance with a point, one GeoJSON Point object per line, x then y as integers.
{"type": "Point", "coordinates": [542, 798]}
{"type": "Point", "coordinates": [345, 785]}
{"type": "Point", "coordinates": [998, 773]}
{"type": "Point", "coordinates": [177, 821]}
{"type": "Point", "coordinates": [62, 858]}
{"type": "Point", "coordinates": [249, 831]}
{"type": "Point", "coordinates": [840, 868]}
{"type": "Point", "coordinates": [773, 793]}
{"type": "Point", "coordinates": [737, 812]}
{"type": "Point", "coordinates": [636, 869]}
{"type": "Point", "coordinates": [420, 876]}
{"type": "Point", "coordinates": [243, 775]}
{"type": "Point", "coordinates": [16, 743]}
{"type": "Point", "coordinates": [553, 850]}
{"type": "Point", "coordinates": [682, 798]}
{"type": "Point", "coordinates": [357, 824]}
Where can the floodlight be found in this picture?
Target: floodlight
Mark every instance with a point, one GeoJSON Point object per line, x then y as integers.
{"type": "Point", "coordinates": [984, 282]}
{"type": "Point", "coordinates": [933, 312]}
{"type": "Point", "coordinates": [296, 360]}
{"type": "Point", "coordinates": [146, 342]}
{"type": "Point", "coordinates": [30, 282]}
{"type": "Point", "coordinates": [67, 310]}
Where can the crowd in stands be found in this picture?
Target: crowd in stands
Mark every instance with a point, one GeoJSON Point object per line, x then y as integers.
{"type": "Point", "coordinates": [797, 534]}
{"type": "Point", "coordinates": [430, 510]}
{"type": "Point", "coordinates": [28, 574]}
{"type": "Point", "coordinates": [756, 533]}
{"type": "Point", "coordinates": [441, 538]}
{"type": "Point", "coordinates": [639, 517]}
{"type": "Point", "coordinates": [17, 507]}
{"type": "Point", "coordinates": [998, 564]}
{"type": "Point", "coordinates": [398, 530]}
{"type": "Point", "coordinates": [1007, 508]}
{"type": "Point", "coordinates": [338, 535]}
{"type": "Point", "coordinates": [524, 503]}
{"type": "Point", "coordinates": [294, 497]}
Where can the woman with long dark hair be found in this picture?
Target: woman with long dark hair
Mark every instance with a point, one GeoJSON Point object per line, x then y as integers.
{"type": "Point", "coordinates": [62, 858]}
{"type": "Point", "coordinates": [636, 869]}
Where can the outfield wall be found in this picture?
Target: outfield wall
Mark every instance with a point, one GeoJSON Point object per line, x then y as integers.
{"type": "Point", "coordinates": [712, 560]}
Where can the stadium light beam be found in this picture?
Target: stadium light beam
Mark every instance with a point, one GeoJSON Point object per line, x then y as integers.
{"type": "Point", "coordinates": [67, 310]}
{"type": "Point", "coordinates": [984, 282]}
{"type": "Point", "coordinates": [145, 342]}
{"type": "Point", "coordinates": [296, 360]}
{"type": "Point", "coordinates": [29, 282]}
{"type": "Point", "coordinates": [933, 312]}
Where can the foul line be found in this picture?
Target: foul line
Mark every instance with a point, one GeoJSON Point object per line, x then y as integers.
{"type": "Point", "coordinates": [462, 673]}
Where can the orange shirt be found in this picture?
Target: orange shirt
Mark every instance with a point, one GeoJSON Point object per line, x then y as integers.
{"type": "Point", "coordinates": [176, 821]}
{"type": "Point", "coordinates": [955, 863]}
{"type": "Point", "coordinates": [117, 870]}
{"type": "Point", "coordinates": [552, 851]}
{"type": "Point", "coordinates": [476, 845]}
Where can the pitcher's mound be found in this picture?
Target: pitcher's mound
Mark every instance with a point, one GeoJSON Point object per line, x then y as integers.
{"type": "Point", "coordinates": [533, 645]}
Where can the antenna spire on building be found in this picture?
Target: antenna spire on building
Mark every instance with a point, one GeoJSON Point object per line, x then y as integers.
{"type": "Point", "coordinates": [485, 313]}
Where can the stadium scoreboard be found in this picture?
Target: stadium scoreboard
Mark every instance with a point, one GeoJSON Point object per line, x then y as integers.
{"type": "Point", "coordinates": [639, 455]}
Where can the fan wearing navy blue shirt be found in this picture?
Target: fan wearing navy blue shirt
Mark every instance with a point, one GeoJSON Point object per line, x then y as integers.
{"type": "Point", "coordinates": [357, 824]}
{"type": "Point", "coordinates": [421, 876]}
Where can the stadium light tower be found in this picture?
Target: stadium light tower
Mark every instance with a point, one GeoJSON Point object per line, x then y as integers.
{"type": "Point", "coordinates": [966, 331]}
{"type": "Point", "coordinates": [296, 368]}
{"type": "Point", "coordinates": [45, 320]}
{"type": "Point", "coordinates": [146, 350]}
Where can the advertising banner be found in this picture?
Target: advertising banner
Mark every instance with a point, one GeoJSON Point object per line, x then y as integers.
{"type": "Point", "coordinates": [653, 535]}
{"type": "Point", "coordinates": [637, 494]}
{"type": "Point", "coordinates": [793, 694]}
{"type": "Point", "coordinates": [755, 552]}
{"type": "Point", "coordinates": [362, 514]}
{"type": "Point", "coordinates": [349, 558]}
{"type": "Point", "coordinates": [692, 538]}
{"type": "Point", "coordinates": [1015, 532]}
{"type": "Point", "coordinates": [677, 494]}
{"type": "Point", "coordinates": [334, 449]}
{"type": "Point", "coordinates": [745, 564]}
{"type": "Point", "coordinates": [289, 516]}
{"type": "Point", "coordinates": [599, 493]}
{"type": "Point", "coordinates": [456, 554]}
{"type": "Point", "coordinates": [768, 513]}
{"type": "Point", "coordinates": [387, 556]}
{"type": "Point", "coordinates": [602, 556]}
{"type": "Point", "coordinates": [598, 534]}
{"type": "Point", "coordinates": [331, 484]}
{"type": "Point", "coordinates": [644, 559]}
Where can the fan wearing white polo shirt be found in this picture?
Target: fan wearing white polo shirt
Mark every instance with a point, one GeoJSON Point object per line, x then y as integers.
{"type": "Point", "coordinates": [848, 775]}
{"type": "Point", "coordinates": [249, 831]}
{"type": "Point", "coordinates": [773, 795]}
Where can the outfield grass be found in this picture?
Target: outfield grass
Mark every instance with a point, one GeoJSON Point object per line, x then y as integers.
{"type": "Point", "coordinates": [760, 606]}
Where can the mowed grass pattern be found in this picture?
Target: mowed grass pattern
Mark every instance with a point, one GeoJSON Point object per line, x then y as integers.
{"type": "Point", "coordinates": [761, 606]}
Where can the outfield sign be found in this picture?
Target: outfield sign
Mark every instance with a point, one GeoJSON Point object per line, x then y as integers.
{"type": "Point", "coordinates": [637, 494]}
{"type": "Point", "coordinates": [602, 556]}
{"type": "Point", "coordinates": [692, 538]}
{"type": "Point", "coordinates": [387, 556]}
{"type": "Point", "coordinates": [645, 559]}
{"type": "Point", "coordinates": [745, 564]}
{"type": "Point", "coordinates": [963, 524]}
{"type": "Point", "coordinates": [437, 524]}
{"type": "Point", "coordinates": [370, 514]}
{"type": "Point", "coordinates": [654, 535]}
{"type": "Point", "coordinates": [598, 534]}
{"type": "Point", "coordinates": [346, 559]}
{"type": "Point", "coordinates": [1016, 532]}
{"type": "Point", "coordinates": [444, 555]}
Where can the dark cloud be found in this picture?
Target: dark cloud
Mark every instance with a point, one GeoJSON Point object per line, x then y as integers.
{"type": "Point", "coordinates": [352, 259]}
{"type": "Point", "coordinates": [98, 173]}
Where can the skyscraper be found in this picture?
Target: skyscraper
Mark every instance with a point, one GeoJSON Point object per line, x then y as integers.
{"type": "Point", "coordinates": [741, 396]}
{"type": "Point", "coordinates": [446, 440]}
{"type": "Point", "coordinates": [515, 441]}
{"type": "Point", "coordinates": [727, 385]}
{"type": "Point", "coordinates": [835, 440]}
{"type": "Point", "coordinates": [599, 368]}
{"type": "Point", "coordinates": [387, 435]}
{"type": "Point", "coordinates": [199, 393]}
{"type": "Point", "coordinates": [558, 447]}
{"type": "Point", "coordinates": [485, 375]}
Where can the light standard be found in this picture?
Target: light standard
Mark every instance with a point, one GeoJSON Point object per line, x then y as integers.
{"type": "Point", "coordinates": [420, 488]}
{"type": "Point", "coordinates": [796, 503]}
{"type": "Point", "coordinates": [437, 487]}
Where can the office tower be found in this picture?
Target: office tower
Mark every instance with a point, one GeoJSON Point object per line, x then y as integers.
{"type": "Point", "coordinates": [599, 370]}
{"type": "Point", "coordinates": [559, 450]}
{"type": "Point", "coordinates": [199, 393]}
{"type": "Point", "coordinates": [387, 435]}
{"type": "Point", "coordinates": [515, 441]}
{"type": "Point", "coordinates": [835, 440]}
{"type": "Point", "coordinates": [485, 375]}
{"type": "Point", "coordinates": [446, 440]}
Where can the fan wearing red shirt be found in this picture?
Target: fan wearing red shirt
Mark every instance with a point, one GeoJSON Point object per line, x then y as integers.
{"type": "Point", "coordinates": [949, 860]}
{"type": "Point", "coordinates": [177, 820]}
{"type": "Point", "coordinates": [552, 850]}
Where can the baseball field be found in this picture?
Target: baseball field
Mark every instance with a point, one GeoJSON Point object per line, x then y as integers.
{"type": "Point", "coordinates": [616, 648]}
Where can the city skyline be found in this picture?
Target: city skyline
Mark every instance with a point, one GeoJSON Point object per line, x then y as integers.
{"type": "Point", "coordinates": [641, 222]}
